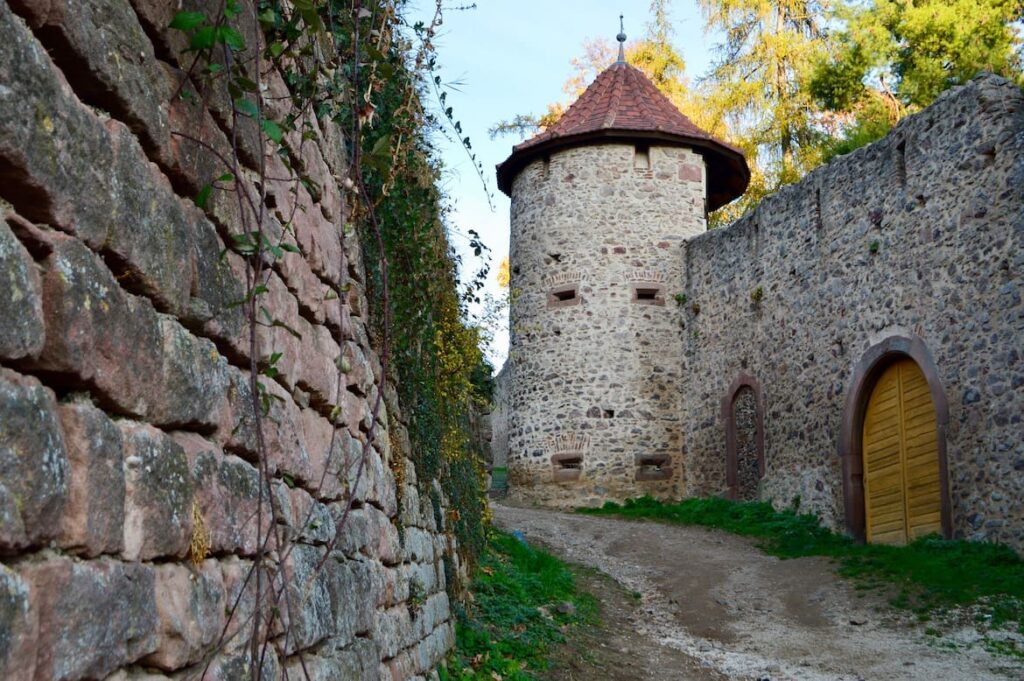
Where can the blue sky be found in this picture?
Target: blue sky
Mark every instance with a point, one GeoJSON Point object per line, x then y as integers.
{"type": "Point", "coordinates": [508, 57]}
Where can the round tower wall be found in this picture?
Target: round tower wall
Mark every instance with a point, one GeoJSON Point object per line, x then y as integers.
{"type": "Point", "coordinates": [596, 335]}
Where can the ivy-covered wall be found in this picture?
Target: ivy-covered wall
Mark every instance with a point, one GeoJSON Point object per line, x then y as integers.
{"type": "Point", "coordinates": [216, 454]}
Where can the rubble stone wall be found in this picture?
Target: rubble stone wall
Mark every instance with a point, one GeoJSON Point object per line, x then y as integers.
{"type": "Point", "coordinates": [596, 378]}
{"type": "Point", "coordinates": [127, 432]}
{"type": "Point", "coordinates": [918, 237]}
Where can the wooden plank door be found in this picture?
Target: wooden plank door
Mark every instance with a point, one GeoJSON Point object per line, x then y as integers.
{"type": "Point", "coordinates": [902, 490]}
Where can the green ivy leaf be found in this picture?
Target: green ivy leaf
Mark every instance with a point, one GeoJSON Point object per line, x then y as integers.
{"type": "Point", "coordinates": [246, 107]}
{"type": "Point", "coordinates": [203, 39]}
{"type": "Point", "coordinates": [291, 248]}
{"type": "Point", "coordinates": [203, 196]}
{"type": "Point", "coordinates": [268, 17]}
{"type": "Point", "coordinates": [272, 130]}
{"type": "Point", "coordinates": [231, 37]}
{"type": "Point", "coordinates": [187, 21]}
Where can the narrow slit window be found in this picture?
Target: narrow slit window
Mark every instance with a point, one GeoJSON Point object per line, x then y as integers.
{"type": "Point", "coordinates": [642, 157]}
{"type": "Point", "coordinates": [653, 467]}
{"type": "Point", "coordinates": [567, 466]}
{"type": "Point", "coordinates": [564, 296]}
{"type": "Point", "coordinates": [648, 295]}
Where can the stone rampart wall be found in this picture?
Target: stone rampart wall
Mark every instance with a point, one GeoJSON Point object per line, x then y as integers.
{"type": "Point", "coordinates": [918, 238]}
{"type": "Point", "coordinates": [127, 432]}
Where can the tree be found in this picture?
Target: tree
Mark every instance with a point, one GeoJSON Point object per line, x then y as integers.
{"type": "Point", "coordinates": [757, 88]}
{"type": "Point", "coordinates": [892, 57]}
{"type": "Point", "coordinates": [503, 275]}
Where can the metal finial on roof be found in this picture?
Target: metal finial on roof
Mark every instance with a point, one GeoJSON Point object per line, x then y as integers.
{"type": "Point", "coordinates": [621, 37]}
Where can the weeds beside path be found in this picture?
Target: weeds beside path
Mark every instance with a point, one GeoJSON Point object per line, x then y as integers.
{"type": "Point", "coordinates": [524, 599]}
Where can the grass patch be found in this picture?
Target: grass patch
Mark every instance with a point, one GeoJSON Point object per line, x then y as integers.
{"type": "Point", "coordinates": [513, 621]}
{"type": "Point", "coordinates": [931, 573]}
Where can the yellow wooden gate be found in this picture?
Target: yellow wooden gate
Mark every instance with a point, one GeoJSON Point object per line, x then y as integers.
{"type": "Point", "coordinates": [902, 490]}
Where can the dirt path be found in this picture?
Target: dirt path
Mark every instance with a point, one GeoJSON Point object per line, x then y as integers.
{"type": "Point", "coordinates": [712, 606]}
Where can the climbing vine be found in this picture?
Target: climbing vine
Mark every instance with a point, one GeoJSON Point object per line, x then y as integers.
{"type": "Point", "coordinates": [358, 68]}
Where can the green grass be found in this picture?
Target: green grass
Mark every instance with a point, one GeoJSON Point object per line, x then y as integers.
{"type": "Point", "coordinates": [512, 623]}
{"type": "Point", "coordinates": [929, 574]}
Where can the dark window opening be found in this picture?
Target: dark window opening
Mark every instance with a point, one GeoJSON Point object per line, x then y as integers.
{"type": "Point", "coordinates": [642, 157]}
{"type": "Point", "coordinates": [653, 467]}
{"type": "Point", "coordinates": [567, 466]}
{"type": "Point", "coordinates": [648, 295]}
{"type": "Point", "coordinates": [565, 295]}
{"type": "Point", "coordinates": [609, 413]}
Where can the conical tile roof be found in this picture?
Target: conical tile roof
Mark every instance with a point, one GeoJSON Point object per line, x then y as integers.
{"type": "Point", "coordinates": [623, 105]}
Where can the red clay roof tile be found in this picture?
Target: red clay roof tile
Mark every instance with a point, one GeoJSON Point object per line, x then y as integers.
{"type": "Point", "coordinates": [622, 102]}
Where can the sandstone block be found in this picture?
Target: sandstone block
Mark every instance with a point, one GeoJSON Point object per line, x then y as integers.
{"type": "Point", "coordinates": [418, 546]}
{"type": "Point", "coordinates": [112, 60]}
{"type": "Point", "coordinates": [158, 494]}
{"type": "Point", "coordinates": [19, 627]}
{"type": "Point", "coordinates": [357, 589]}
{"type": "Point", "coordinates": [227, 492]}
{"type": "Point", "coordinates": [193, 379]}
{"type": "Point", "coordinates": [148, 365]}
{"type": "Point", "coordinates": [21, 308]}
{"type": "Point", "coordinates": [93, 520]}
{"type": "Point", "coordinates": [216, 289]}
{"type": "Point", "coordinates": [190, 607]}
{"type": "Point", "coordinates": [369, 532]}
{"type": "Point", "coordinates": [393, 630]}
{"type": "Point", "coordinates": [44, 134]}
{"type": "Point", "coordinates": [359, 376]}
{"type": "Point", "coordinates": [308, 608]}
{"type": "Point", "coordinates": [240, 590]}
{"type": "Point", "coordinates": [93, 617]}
{"type": "Point", "coordinates": [33, 463]}
{"type": "Point", "coordinates": [310, 521]}
{"type": "Point", "coordinates": [234, 666]}
{"type": "Point", "coordinates": [351, 614]}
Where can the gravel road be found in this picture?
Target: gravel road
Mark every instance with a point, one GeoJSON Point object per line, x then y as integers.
{"type": "Point", "coordinates": [716, 602]}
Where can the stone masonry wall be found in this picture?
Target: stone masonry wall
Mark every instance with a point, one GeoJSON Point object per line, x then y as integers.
{"type": "Point", "coordinates": [596, 380]}
{"type": "Point", "coordinates": [499, 418]}
{"type": "Point", "coordinates": [920, 235]}
{"type": "Point", "coordinates": [126, 424]}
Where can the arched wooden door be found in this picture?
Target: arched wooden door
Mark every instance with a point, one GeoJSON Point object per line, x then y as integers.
{"type": "Point", "coordinates": [902, 478]}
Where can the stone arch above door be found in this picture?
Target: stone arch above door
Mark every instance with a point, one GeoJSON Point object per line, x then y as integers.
{"type": "Point", "coordinates": [739, 443]}
{"type": "Point", "coordinates": [865, 376]}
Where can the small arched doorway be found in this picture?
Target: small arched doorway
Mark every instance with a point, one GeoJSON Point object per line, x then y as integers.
{"type": "Point", "coordinates": [894, 446]}
{"type": "Point", "coordinates": [743, 419]}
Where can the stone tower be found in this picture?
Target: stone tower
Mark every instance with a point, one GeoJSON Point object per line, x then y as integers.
{"type": "Point", "coordinates": [602, 203]}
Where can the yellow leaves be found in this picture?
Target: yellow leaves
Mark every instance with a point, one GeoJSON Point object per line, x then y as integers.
{"type": "Point", "coordinates": [503, 276]}
{"type": "Point", "coordinates": [199, 544]}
